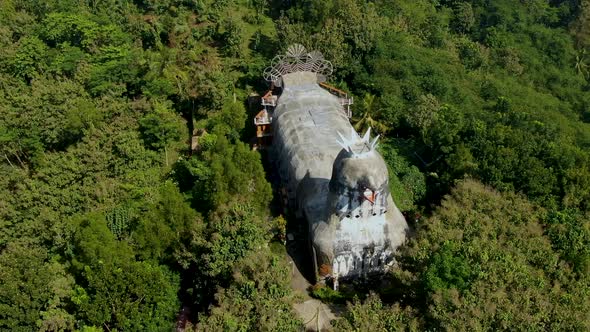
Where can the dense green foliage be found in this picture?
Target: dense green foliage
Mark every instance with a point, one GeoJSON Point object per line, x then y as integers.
{"type": "Point", "coordinates": [106, 221]}
{"type": "Point", "coordinates": [483, 261]}
{"type": "Point", "coordinates": [490, 90]}
{"type": "Point", "coordinates": [257, 300]}
{"type": "Point", "coordinates": [109, 221]}
{"type": "Point", "coordinates": [497, 91]}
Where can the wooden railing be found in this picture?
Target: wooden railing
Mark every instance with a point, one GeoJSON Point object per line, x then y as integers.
{"type": "Point", "coordinates": [334, 90]}
{"type": "Point", "coordinates": [345, 101]}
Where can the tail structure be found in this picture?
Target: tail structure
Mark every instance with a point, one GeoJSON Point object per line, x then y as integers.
{"type": "Point", "coordinates": [297, 59]}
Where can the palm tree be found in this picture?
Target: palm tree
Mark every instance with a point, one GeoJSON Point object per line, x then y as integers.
{"type": "Point", "coordinates": [368, 117]}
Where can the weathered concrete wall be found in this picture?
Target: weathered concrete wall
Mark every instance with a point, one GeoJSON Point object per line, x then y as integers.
{"type": "Point", "coordinates": [354, 224]}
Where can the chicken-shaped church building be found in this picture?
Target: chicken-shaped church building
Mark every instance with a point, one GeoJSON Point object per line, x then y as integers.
{"type": "Point", "coordinates": [332, 177]}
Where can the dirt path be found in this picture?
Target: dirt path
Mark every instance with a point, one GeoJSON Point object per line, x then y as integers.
{"type": "Point", "coordinates": [300, 261]}
{"type": "Point", "coordinates": [315, 314]}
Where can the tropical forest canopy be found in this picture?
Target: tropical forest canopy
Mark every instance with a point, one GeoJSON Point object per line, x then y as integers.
{"type": "Point", "coordinates": [109, 220]}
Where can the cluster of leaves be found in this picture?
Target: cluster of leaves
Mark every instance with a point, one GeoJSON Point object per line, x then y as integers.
{"type": "Point", "coordinates": [495, 91]}
{"type": "Point", "coordinates": [488, 90]}
{"type": "Point", "coordinates": [107, 221]}
{"type": "Point", "coordinates": [105, 218]}
{"type": "Point", "coordinates": [258, 298]}
{"type": "Point", "coordinates": [515, 276]}
{"type": "Point", "coordinates": [486, 261]}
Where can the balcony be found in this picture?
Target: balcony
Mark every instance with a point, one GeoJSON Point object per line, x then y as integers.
{"type": "Point", "coordinates": [262, 118]}
{"type": "Point", "coordinates": [263, 121]}
{"type": "Point", "coordinates": [269, 99]}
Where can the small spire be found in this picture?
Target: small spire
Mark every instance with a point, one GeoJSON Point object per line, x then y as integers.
{"type": "Point", "coordinates": [348, 143]}
{"type": "Point", "coordinates": [375, 143]}
{"type": "Point", "coordinates": [367, 136]}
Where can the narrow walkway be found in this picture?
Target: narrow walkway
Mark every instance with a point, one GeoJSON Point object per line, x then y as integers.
{"type": "Point", "coordinates": [315, 314]}
{"type": "Point", "coordinates": [300, 260]}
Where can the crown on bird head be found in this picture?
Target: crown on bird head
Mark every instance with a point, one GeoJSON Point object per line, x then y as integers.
{"type": "Point", "coordinates": [357, 146]}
